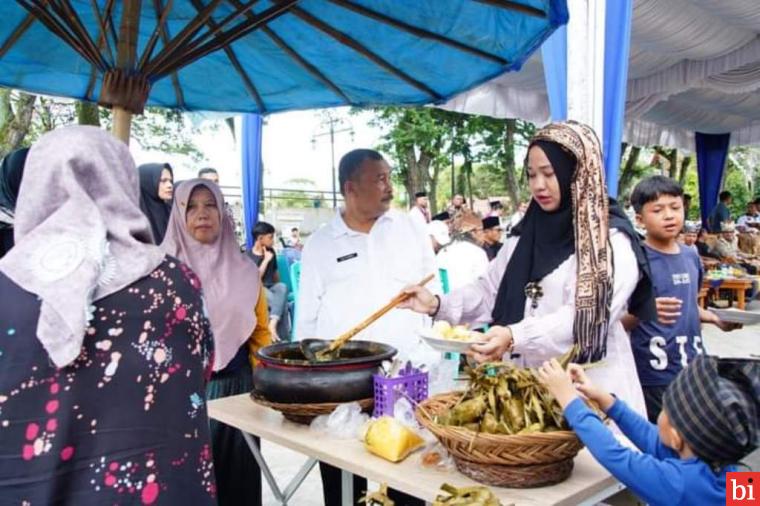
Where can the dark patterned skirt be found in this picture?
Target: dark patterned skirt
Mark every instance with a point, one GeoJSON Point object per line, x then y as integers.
{"type": "Point", "coordinates": [238, 477]}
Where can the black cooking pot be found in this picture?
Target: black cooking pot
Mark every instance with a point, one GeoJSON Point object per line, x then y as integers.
{"type": "Point", "coordinates": [284, 375]}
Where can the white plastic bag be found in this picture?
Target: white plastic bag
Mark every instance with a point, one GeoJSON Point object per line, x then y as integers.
{"type": "Point", "coordinates": [345, 422]}
{"type": "Point", "coordinates": [403, 411]}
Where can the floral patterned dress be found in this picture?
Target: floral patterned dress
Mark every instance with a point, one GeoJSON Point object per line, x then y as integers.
{"type": "Point", "coordinates": [125, 423]}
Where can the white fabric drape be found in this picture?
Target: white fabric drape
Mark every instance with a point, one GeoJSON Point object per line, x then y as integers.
{"type": "Point", "coordinates": [694, 66]}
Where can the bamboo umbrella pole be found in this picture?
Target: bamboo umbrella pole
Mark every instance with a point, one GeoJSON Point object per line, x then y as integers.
{"type": "Point", "coordinates": [126, 56]}
{"type": "Point", "coordinates": [122, 123]}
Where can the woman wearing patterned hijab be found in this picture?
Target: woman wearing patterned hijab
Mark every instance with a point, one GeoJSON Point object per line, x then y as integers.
{"type": "Point", "coordinates": [566, 274]}
{"type": "Point", "coordinates": [202, 234]}
{"type": "Point", "coordinates": [105, 348]}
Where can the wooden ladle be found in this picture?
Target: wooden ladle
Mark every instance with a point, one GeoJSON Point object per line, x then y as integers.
{"type": "Point", "coordinates": [315, 350]}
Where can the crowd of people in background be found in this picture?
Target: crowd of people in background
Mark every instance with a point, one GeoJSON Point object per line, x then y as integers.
{"type": "Point", "coordinates": [132, 304]}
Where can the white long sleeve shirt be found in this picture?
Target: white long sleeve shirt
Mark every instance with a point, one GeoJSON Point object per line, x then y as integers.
{"type": "Point", "coordinates": [422, 217]}
{"type": "Point", "coordinates": [464, 262]}
{"type": "Point", "coordinates": [347, 275]}
{"type": "Point", "coordinates": [547, 331]}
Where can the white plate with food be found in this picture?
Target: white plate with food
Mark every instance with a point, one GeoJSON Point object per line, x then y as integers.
{"type": "Point", "coordinates": [447, 338]}
{"type": "Point", "coordinates": [737, 316]}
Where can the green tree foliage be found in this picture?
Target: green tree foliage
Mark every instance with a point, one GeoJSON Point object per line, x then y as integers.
{"type": "Point", "coordinates": [426, 142]}
{"type": "Point", "coordinates": [16, 112]}
{"type": "Point", "coordinates": [417, 138]}
{"type": "Point", "coordinates": [25, 117]}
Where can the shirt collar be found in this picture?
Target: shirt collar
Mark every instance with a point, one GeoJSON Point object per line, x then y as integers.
{"type": "Point", "coordinates": [339, 228]}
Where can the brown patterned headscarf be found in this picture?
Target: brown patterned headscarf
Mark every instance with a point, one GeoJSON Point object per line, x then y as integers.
{"type": "Point", "coordinates": [581, 228]}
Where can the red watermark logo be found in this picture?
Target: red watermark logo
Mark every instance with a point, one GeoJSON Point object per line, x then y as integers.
{"type": "Point", "coordinates": [742, 489]}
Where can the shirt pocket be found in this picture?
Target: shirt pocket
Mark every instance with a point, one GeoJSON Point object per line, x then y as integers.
{"type": "Point", "coordinates": [346, 269]}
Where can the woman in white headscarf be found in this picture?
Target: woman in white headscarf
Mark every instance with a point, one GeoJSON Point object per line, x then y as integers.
{"type": "Point", "coordinates": [202, 234]}
{"type": "Point", "coordinates": [104, 348]}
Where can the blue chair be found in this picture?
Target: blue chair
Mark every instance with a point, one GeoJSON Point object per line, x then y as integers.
{"type": "Point", "coordinates": [283, 268]}
{"type": "Point", "coordinates": [295, 278]}
{"type": "Point", "coordinates": [444, 275]}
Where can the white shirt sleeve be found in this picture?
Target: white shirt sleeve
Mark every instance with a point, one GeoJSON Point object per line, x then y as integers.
{"type": "Point", "coordinates": [473, 304]}
{"type": "Point", "coordinates": [429, 262]}
{"type": "Point", "coordinates": [549, 335]}
{"type": "Point", "coordinates": [310, 292]}
{"type": "Point", "coordinates": [479, 264]}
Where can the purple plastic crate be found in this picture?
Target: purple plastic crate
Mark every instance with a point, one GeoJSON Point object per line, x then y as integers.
{"type": "Point", "coordinates": [411, 383]}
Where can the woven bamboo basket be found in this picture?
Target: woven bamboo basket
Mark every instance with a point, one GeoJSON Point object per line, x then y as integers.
{"type": "Point", "coordinates": [305, 413]}
{"type": "Point", "coordinates": [519, 461]}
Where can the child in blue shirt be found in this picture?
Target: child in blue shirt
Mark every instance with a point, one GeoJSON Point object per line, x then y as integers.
{"type": "Point", "coordinates": [708, 423]}
{"type": "Point", "coordinates": [662, 348]}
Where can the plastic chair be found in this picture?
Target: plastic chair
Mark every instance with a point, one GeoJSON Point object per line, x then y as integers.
{"type": "Point", "coordinates": [295, 277]}
{"type": "Point", "coordinates": [283, 268]}
{"type": "Point", "coordinates": [444, 275]}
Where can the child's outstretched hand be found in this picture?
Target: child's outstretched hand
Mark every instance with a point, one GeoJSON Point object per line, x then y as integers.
{"type": "Point", "coordinates": [585, 386]}
{"type": "Point", "coordinates": [557, 381]}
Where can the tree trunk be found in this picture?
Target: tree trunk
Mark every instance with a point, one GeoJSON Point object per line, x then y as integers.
{"type": "Point", "coordinates": [433, 192]}
{"type": "Point", "coordinates": [45, 115]}
{"type": "Point", "coordinates": [684, 170]}
{"type": "Point", "coordinates": [88, 113]}
{"type": "Point", "coordinates": [468, 172]}
{"type": "Point", "coordinates": [15, 122]}
{"type": "Point", "coordinates": [410, 160]}
{"type": "Point", "coordinates": [629, 170]}
{"type": "Point", "coordinates": [673, 160]}
{"type": "Point", "coordinates": [417, 174]}
{"type": "Point", "coordinates": [510, 177]}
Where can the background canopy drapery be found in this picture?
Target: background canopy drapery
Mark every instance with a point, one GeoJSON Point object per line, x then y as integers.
{"type": "Point", "coordinates": [694, 66]}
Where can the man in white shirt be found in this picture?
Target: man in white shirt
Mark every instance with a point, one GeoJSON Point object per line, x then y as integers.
{"type": "Point", "coordinates": [749, 221]}
{"type": "Point", "coordinates": [518, 215]}
{"type": "Point", "coordinates": [356, 264]}
{"type": "Point", "coordinates": [361, 259]}
{"type": "Point", "coordinates": [438, 230]}
{"type": "Point", "coordinates": [420, 211]}
{"type": "Point", "coordinates": [464, 258]}
{"type": "Point", "coordinates": [497, 209]}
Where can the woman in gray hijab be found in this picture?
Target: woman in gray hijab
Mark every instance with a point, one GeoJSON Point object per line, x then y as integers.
{"type": "Point", "coordinates": [105, 349]}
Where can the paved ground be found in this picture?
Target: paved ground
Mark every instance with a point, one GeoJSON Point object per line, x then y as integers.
{"type": "Point", "coordinates": [285, 463]}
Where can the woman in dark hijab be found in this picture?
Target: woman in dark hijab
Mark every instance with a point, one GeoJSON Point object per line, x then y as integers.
{"type": "Point", "coordinates": [11, 171]}
{"type": "Point", "coordinates": [156, 190]}
{"type": "Point", "coordinates": [566, 276]}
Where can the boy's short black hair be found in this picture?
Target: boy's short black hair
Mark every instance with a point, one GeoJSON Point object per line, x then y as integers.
{"type": "Point", "coordinates": [724, 195]}
{"type": "Point", "coordinates": [261, 228]}
{"type": "Point", "coordinates": [651, 188]}
{"type": "Point", "coordinates": [351, 162]}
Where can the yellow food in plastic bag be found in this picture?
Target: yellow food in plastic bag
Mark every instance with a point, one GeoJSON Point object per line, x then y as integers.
{"type": "Point", "coordinates": [388, 438]}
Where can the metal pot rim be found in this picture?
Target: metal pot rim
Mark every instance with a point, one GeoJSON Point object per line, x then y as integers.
{"type": "Point", "coordinates": [385, 352]}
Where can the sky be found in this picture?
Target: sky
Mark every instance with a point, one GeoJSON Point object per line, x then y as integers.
{"type": "Point", "coordinates": [287, 149]}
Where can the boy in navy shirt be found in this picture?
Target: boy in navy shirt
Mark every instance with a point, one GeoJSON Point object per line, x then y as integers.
{"type": "Point", "coordinates": [662, 348]}
{"type": "Point", "coordinates": [708, 424]}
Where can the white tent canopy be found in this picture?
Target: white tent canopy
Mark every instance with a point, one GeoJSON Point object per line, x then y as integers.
{"type": "Point", "coordinates": [694, 66]}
